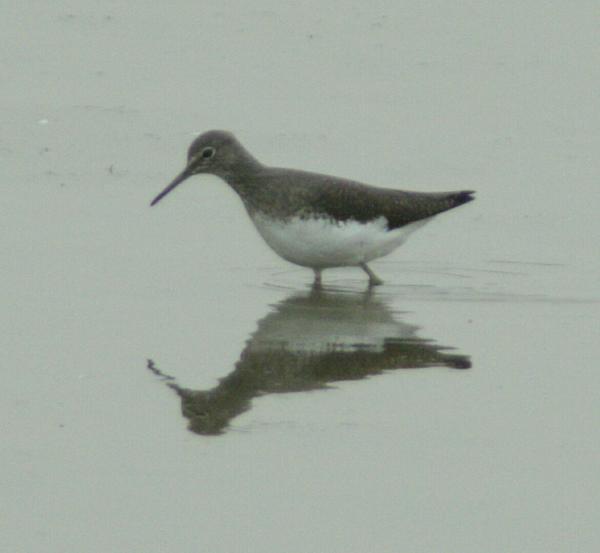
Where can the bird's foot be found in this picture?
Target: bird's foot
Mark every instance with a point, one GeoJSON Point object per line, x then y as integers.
{"type": "Point", "coordinates": [374, 280]}
{"type": "Point", "coordinates": [317, 283]}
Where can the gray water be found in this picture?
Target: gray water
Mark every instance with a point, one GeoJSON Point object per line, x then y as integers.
{"type": "Point", "coordinates": [171, 385]}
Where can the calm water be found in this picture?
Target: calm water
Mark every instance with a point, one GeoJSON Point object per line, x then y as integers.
{"type": "Point", "coordinates": [169, 384]}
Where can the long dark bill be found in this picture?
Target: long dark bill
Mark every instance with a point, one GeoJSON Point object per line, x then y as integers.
{"type": "Point", "coordinates": [178, 180]}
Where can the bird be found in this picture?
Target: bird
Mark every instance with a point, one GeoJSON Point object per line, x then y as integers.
{"type": "Point", "coordinates": [310, 219]}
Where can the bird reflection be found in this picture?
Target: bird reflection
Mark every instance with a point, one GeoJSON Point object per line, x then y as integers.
{"type": "Point", "coordinates": [309, 340]}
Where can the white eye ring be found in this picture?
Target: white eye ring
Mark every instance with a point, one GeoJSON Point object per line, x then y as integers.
{"type": "Point", "coordinates": [207, 152]}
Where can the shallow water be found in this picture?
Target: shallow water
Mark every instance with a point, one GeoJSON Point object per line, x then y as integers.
{"type": "Point", "coordinates": [170, 384]}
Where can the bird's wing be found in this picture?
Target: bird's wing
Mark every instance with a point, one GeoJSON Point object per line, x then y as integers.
{"type": "Point", "coordinates": [365, 203]}
{"type": "Point", "coordinates": [307, 194]}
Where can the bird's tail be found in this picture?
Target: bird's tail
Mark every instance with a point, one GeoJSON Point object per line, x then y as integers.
{"type": "Point", "coordinates": [462, 197]}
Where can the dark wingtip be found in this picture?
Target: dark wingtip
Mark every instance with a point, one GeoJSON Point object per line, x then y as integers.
{"type": "Point", "coordinates": [464, 197]}
{"type": "Point", "coordinates": [459, 362]}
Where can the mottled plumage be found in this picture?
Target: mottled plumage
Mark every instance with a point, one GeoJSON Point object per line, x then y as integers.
{"type": "Point", "coordinates": [341, 222]}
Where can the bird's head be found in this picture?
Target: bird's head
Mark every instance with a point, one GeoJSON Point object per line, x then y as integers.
{"type": "Point", "coordinates": [215, 152]}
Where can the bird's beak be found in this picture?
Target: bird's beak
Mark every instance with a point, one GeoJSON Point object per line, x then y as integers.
{"type": "Point", "coordinates": [178, 180]}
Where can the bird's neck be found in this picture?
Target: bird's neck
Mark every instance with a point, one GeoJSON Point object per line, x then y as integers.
{"type": "Point", "coordinates": [241, 176]}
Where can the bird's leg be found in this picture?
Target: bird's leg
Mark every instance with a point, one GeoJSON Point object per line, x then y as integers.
{"type": "Point", "coordinates": [374, 280]}
{"type": "Point", "coordinates": [317, 283]}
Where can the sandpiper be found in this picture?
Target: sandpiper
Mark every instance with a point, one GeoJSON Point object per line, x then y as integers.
{"type": "Point", "coordinates": [315, 220]}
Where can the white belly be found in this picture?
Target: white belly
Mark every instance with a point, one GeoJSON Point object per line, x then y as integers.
{"type": "Point", "coordinates": [320, 243]}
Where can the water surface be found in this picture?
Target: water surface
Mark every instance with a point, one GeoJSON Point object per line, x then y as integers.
{"type": "Point", "coordinates": [453, 409]}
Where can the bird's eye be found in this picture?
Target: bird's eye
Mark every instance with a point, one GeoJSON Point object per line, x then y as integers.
{"type": "Point", "coordinates": [207, 153]}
